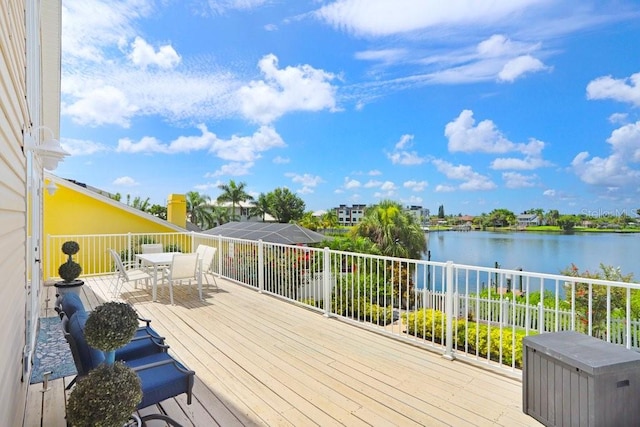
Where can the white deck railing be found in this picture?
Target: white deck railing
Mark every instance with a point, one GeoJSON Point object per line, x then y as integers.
{"type": "Point", "coordinates": [459, 310]}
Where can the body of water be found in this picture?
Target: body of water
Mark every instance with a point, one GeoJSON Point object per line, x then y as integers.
{"type": "Point", "coordinates": [539, 252]}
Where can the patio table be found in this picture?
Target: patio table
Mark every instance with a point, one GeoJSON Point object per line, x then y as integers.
{"type": "Point", "coordinates": [157, 261]}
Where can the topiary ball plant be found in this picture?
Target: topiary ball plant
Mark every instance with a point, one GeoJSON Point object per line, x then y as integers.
{"type": "Point", "coordinates": [106, 397]}
{"type": "Point", "coordinates": [111, 325]}
{"type": "Point", "coordinates": [70, 270]}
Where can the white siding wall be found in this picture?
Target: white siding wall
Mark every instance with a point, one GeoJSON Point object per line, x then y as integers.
{"type": "Point", "coordinates": [13, 205]}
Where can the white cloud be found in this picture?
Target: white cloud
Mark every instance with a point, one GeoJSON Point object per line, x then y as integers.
{"type": "Point", "coordinates": [374, 172]}
{"type": "Point", "coordinates": [382, 55]}
{"type": "Point", "coordinates": [622, 90]}
{"type": "Point", "coordinates": [445, 188]}
{"type": "Point", "coordinates": [400, 156]}
{"type": "Point", "coordinates": [147, 144]}
{"type": "Point", "coordinates": [528, 163]}
{"type": "Point", "coordinates": [233, 169]}
{"type": "Point", "coordinates": [125, 181]}
{"type": "Point", "coordinates": [301, 88]}
{"type": "Point", "coordinates": [248, 148]}
{"type": "Point", "coordinates": [471, 180]}
{"type": "Point", "coordinates": [618, 118]}
{"type": "Point", "coordinates": [306, 180]}
{"type": "Point", "coordinates": [383, 17]}
{"type": "Point", "coordinates": [620, 168]}
{"type": "Point", "coordinates": [100, 106]}
{"type": "Point", "coordinates": [143, 55]}
{"type": "Point", "coordinates": [517, 180]}
{"type": "Point", "coordinates": [239, 149]}
{"type": "Point", "coordinates": [101, 85]}
{"type": "Point", "coordinates": [79, 147]}
{"type": "Point", "coordinates": [465, 136]}
{"type": "Point", "coordinates": [388, 186]}
{"type": "Point", "coordinates": [281, 160]}
{"type": "Point", "coordinates": [415, 185]}
{"type": "Point", "coordinates": [115, 93]}
{"type": "Point", "coordinates": [519, 66]}
{"type": "Point", "coordinates": [222, 6]}
{"type": "Point", "coordinates": [405, 142]}
{"type": "Point", "coordinates": [372, 184]}
{"type": "Point", "coordinates": [351, 184]}
{"type": "Point", "coordinates": [90, 26]}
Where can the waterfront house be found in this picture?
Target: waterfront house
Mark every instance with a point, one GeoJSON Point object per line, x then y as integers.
{"type": "Point", "coordinates": [527, 220]}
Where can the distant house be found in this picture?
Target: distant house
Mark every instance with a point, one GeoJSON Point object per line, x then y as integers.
{"type": "Point", "coordinates": [527, 220]}
{"type": "Point", "coordinates": [243, 210]}
{"type": "Point", "coordinates": [350, 215]}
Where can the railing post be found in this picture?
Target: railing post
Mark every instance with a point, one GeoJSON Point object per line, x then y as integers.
{"type": "Point", "coordinates": [449, 295]}
{"type": "Point", "coordinates": [129, 248]}
{"type": "Point", "coordinates": [540, 317]}
{"type": "Point", "coordinates": [260, 266]}
{"type": "Point", "coordinates": [326, 281]}
{"type": "Point", "coordinates": [220, 257]}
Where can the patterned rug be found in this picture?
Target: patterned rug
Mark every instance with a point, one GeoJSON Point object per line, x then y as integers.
{"type": "Point", "coordinates": [52, 352]}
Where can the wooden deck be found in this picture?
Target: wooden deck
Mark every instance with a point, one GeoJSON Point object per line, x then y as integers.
{"type": "Point", "coordinates": [262, 361]}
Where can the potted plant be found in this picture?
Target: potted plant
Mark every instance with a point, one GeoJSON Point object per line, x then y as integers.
{"type": "Point", "coordinates": [111, 326]}
{"type": "Point", "coordinates": [106, 397]}
{"type": "Point", "coordinates": [69, 270]}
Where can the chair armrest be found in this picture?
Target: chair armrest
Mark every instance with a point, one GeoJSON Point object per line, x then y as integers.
{"type": "Point", "coordinates": [168, 361]}
{"type": "Point", "coordinates": [147, 322]}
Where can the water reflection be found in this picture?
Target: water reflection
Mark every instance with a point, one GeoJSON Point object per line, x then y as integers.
{"type": "Point", "coordinates": [540, 252]}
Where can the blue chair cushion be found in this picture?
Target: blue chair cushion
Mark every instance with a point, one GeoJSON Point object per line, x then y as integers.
{"type": "Point", "coordinates": [89, 356]}
{"type": "Point", "coordinates": [145, 342]}
{"type": "Point", "coordinates": [161, 382]}
{"type": "Point", "coordinates": [71, 303]}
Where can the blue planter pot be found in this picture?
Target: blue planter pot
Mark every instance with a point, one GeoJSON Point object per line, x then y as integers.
{"type": "Point", "coordinates": [109, 357]}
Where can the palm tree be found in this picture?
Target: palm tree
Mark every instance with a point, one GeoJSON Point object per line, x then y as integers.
{"type": "Point", "coordinates": [309, 221]}
{"type": "Point", "coordinates": [140, 204]}
{"type": "Point", "coordinates": [220, 215]}
{"type": "Point", "coordinates": [235, 194]}
{"type": "Point", "coordinates": [200, 210]}
{"type": "Point", "coordinates": [393, 231]}
{"type": "Point", "coordinates": [329, 219]}
{"type": "Point", "coordinates": [262, 207]}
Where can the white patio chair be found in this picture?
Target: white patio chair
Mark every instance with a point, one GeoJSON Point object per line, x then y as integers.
{"type": "Point", "coordinates": [124, 275]}
{"type": "Point", "coordinates": [151, 248]}
{"type": "Point", "coordinates": [183, 267]}
{"type": "Point", "coordinates": [207, 254]}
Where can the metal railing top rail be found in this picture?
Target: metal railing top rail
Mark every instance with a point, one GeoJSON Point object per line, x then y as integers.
{"type": "Point", "coordinates": [549, 276]}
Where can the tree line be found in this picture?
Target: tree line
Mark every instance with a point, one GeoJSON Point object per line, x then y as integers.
{"type": "Point", "coordinates": [506, 218]}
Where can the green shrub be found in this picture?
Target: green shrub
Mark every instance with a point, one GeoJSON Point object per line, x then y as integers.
{"type": "Point", "coordinates": [111, 325]}
{"type": "Point", "coordinates": [106, 397]}
{"type": "Point", "coordinates": [428, 324]}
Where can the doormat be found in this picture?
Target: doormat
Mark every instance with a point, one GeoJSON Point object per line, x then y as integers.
{"type": "Point", "coordinates": [52, 352]}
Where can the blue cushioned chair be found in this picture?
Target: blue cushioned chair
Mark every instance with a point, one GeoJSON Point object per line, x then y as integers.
{"type": "Point", "coordinates": [161, 376]}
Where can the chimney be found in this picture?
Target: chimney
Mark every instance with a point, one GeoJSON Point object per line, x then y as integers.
{"type": "Point", "coordinates": [177, 210]}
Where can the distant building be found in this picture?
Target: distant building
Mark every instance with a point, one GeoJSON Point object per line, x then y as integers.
{"type": "Point", "coordinates": [526, 220]}
{"type": "Point", "coordinates": [243, 212]}
{"type": "Point", "coordinates": [350, 215]}
{"type": "Point", "coordinates": [419, 213]}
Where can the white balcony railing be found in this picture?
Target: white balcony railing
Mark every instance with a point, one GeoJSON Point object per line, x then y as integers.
{"type": "Point", "coordinates": [462, 311]}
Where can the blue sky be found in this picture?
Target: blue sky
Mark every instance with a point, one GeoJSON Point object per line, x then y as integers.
{"type": "Point", "coordinates": [473, 105]}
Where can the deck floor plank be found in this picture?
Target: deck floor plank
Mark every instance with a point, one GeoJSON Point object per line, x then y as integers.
{"type": "Point", "coordinates": [261, 361]}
